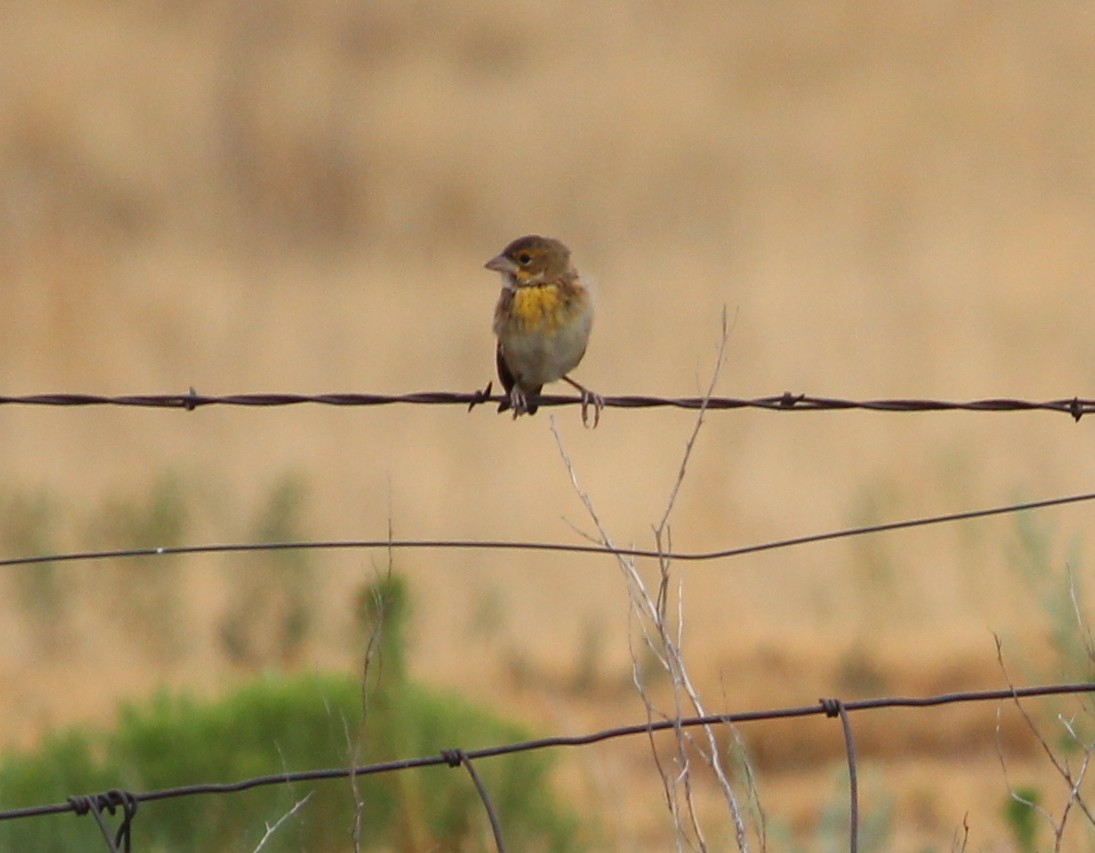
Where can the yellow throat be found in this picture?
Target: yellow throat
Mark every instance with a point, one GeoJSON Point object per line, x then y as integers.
{"type": "Point", "coordinates": [535, 307]}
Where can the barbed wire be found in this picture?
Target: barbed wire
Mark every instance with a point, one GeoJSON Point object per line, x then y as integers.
{"type": "Point", "coordinates": [504, 545]}
{"type": "Point", "coordinates": [829, 707]}
{"type": "Point", "coordinates": [1076, 407]}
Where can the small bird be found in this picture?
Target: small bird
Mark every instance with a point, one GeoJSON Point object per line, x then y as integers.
{"type": "Point", "coordinates": [542, 320]}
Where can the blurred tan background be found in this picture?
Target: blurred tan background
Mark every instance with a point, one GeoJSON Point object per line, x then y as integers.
{"type": "Point", "coordinates": [888, 200]}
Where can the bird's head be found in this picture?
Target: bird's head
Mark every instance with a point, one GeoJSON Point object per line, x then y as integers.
{"type": "Point", "coordinates": [532, 260]}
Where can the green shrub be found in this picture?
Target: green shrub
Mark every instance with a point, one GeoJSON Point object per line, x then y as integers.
{"type": "Point", "coordinates": [277, 725]}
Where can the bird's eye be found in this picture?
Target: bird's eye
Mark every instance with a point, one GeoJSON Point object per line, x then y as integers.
{"type": "Point", "coordinates": [524, 258]}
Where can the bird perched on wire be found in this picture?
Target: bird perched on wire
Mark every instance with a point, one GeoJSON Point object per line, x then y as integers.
{"type": "Point", "coordinates": [543, 320]}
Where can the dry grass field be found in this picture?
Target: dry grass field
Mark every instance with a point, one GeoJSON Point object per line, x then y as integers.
{"type": "Point", "coordinates": [888, 200]}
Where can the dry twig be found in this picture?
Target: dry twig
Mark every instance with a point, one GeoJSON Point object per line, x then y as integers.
{"type": "Point", "coordinates": [662, 629]}
{"type": "Point", "coordinates": [271, 829]}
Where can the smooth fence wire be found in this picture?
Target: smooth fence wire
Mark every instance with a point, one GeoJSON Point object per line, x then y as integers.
{"type": "Point", "coordinates": [502, 545]}
{"type": "Point", "coordinates": [1075, 407]}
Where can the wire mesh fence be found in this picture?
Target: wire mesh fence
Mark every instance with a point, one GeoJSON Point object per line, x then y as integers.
{"type": "Point", "coordinates": [127, 802]}
{"type": "Point", "coordinates": [104, 805]}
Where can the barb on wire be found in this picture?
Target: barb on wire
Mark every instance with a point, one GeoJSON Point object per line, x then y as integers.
{"type": "Point", "coordinates": [1076, 407]}
{"type": "Point", "coordinates": [504, 545]}
{"type": "Point", "coordinates": [557, 741]}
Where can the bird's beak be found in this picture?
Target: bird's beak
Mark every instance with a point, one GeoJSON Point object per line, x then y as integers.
{"type": "Point", "coordinates": [502, 264]}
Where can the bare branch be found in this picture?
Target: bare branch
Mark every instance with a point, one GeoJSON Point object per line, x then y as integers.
{"type": "Point", "coordinates": [663, 635]}
{"type": "Point", "coordinates": [270, 830]}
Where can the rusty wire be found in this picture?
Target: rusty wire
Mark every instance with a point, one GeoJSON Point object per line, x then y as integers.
{"type": "Point", "coordinates": [456, 757]}
{"type": "Point", "coordinates": [1076, 407]}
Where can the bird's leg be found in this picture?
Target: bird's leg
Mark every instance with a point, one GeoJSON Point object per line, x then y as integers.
{"type": "Point", "coordinates": [589, 398]}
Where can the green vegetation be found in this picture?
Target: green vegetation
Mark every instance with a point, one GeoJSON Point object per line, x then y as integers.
{"type": "Point", "coordinates": [279, 724]}
{"type": "Point", "coordinates": [1021, 817]}
{"type": "Point", "coordinates": [283, 723]}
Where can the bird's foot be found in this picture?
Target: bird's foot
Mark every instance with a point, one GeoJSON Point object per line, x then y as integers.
{"type": "Point", "coordinates": [518, 401]}
{"type": "Point", "coordinates": [590, 400]}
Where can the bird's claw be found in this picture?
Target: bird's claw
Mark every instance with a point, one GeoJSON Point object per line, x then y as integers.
{"type": "Point", "coordinates": [597, 402]}
{"type": "Point", "coordinates": [518, 401]}
{"type": "Point", "coordinates": [589, 398]}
